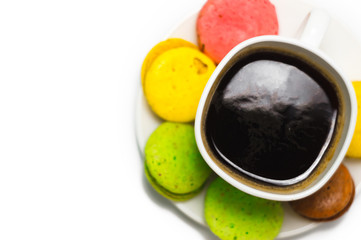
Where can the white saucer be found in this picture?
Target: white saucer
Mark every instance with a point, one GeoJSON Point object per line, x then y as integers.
{"type": "Point", "coordinates": [338, 43]}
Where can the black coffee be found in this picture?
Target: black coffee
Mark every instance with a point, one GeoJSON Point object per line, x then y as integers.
{"type": "Point", "coordinates": [271, 117]}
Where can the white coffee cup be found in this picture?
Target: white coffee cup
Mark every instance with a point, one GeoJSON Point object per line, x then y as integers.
{"type": "Point", "coordinates": [306, 47]}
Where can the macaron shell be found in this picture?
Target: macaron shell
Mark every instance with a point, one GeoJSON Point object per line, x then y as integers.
{"type": "Point", "coordinates": [354, 151]}
{"type": "Point", "coordinates": [164, 192]}
{"type": "Point", "coordinates": [175, 82]}
{"type": "Point", "coordinates": [232, 214]}
{"type": "Point", "coordinates": [172, 160]}
{"type": "Point", "coordinates": [222, 24]}
{"type": "Point", "coordinates": [160, 48]}
{"type": "Point", "coordinates": [331, 201]}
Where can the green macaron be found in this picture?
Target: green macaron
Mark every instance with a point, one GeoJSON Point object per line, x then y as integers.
{"type": "Point", "coordinates": [234, 215]}
{"type": "Point", "coordinates": [173, 164]}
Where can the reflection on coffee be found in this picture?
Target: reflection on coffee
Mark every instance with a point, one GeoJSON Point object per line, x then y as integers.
{"type": "Point", "coordinates": [272, 118]}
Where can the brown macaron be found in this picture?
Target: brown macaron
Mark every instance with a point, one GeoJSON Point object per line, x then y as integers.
{"type": "Point", "coordinates": [331, 201]}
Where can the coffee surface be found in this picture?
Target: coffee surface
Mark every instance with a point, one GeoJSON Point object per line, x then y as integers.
{"type": "Point", "coordinates": [271, 117]}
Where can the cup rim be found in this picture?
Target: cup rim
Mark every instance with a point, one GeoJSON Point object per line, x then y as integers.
{"type": "Point", "coordinates": [349, 94]}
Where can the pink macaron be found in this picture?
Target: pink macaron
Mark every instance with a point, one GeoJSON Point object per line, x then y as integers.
{"type": "Point", "coordinates": [222, 24]}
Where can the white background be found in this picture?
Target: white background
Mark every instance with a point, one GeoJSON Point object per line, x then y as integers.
{"type": "Point", "coordinates": [69, 164]}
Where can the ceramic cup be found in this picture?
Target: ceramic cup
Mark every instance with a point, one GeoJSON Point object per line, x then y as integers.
{"type": "Point", "coordinates": [305, 48]}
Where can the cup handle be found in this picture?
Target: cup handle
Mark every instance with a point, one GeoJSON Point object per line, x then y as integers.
{"type": "Point", "coordinates": [315, 28]}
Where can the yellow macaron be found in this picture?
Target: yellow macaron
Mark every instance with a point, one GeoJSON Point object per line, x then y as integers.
{"type": "Point", "coordinates": [160, 48]}
{"type": "Point", "coordinates": [354, 150]}
{"type": "Point", "coordinates": [175, 81]}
